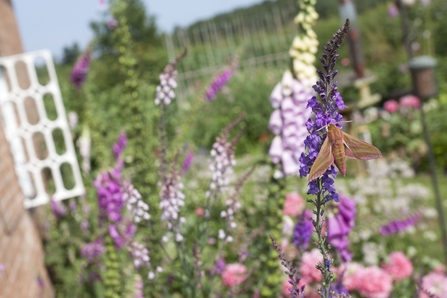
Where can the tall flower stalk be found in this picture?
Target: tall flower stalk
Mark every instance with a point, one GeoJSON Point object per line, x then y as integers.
{"type": "Point", "coordinates": [325, 112]}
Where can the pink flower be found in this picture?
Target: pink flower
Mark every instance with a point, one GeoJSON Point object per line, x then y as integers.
{"type": "Point", "coordinates": [398, 266]}
{"type": "Point", "coordinates": [410, 101]}
{"type": "Point", "coordinates": [294, 205]}
{"type": "Point", "coordinates": [374, 283]}
{"type": "Point", "coordinates": [200, 211]}
{"type": "Point", "coordinates": [309, 272]}
{"type": "Point", "coordinates": [391, 106]}
{"type": "Point", "coordinates": [435, 284]}
{"type": "Point", "coordinates": [393, 11]}
{"type": "Point", "coordinates": [351, 273]}
{"type": "Point", "coordinates": [234, 274]}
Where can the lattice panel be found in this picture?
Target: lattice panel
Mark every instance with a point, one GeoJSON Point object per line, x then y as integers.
{"type": "Point", "coordinates": [36, 128]}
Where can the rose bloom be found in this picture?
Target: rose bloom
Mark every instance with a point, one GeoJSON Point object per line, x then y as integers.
{"type": "Point", "coordinates": [391, 106]}
{"type": "Point", "coordinates": [374, 283]}
{"type": "Point", "coordinates": [410, 101]}
{"type": "Point", "coordinates": [351, 275]}
{"type": "Point", "coordinates": [398, 266]}
{"type": "Point", "coordinates": [435, 284]}
{"type": "Point", "coordinates": [294, 205]}
{"type": "Point", "coordinates": [309, 272]}
{"type": "Point", "coordinates": [234, 274]}
{"type": "Point", "coordinates": [200, 211]}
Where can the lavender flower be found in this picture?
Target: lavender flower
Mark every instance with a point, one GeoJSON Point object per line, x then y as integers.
{"type": "Point", "coordinates": [399, 225]}
{"type": "Point", "coordinates": [287, 122]}
{"type": "Point", "coordinates": [110, 196]}
{"type": "Point", "coordinates": [187, 162]}
{"type": "Point", "coordinates": [340, 225]}
{"type": "Point", "coordinates": [219, 266]}
{"type": "Point", "coordinates": [165, 91]}
{"type": "Point", "coordinates": [93, 250]}
{"type": "Point", "coordinates": [303, 231]}
{"type": "Point", "coordinates": [58, 209]}
{"type": "Point", "coordinates": [80, 70]}
{"type": "Point", "coordinates": [139, 254]}
{"type": "Point", "coordinates": [218, 83]}
{"type": "Point", "coordinates": [135, 205]}
{"type": "Point", "coordinates": [112, 23]}
{"type": "Point", "coordinates": [172, 199]}
{"type": "Point", "coordinates": [325, 112]}
{"type": "Point", "coordinates": [393, 11]}
{"type": "Point", "coordinates": [120, 145]}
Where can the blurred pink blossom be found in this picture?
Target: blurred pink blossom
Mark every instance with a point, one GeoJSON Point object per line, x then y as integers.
{"type": "Point", "coordinates": [398, 266]}
{"type": "Point", "coordinates": [374, 283]}
{"type": "Point", "coordinates": [294, 205]}
{"type": "Point", "coordinates": [351, 273]}
{"type": "Point", "coordinates": [435, 284]}
{"type": "Point", "coordinates": [425, 2]}
{"type": "Point", "coordinates": [391, 106]}
{"type": "Point", "coordinates": [309, 272]}
{"type": "Point", "coordinates": [234, 274]}
{"type": "Point", "coordinates": [410, 101]}
{"type": "Point", "coordinates": [393, 11]}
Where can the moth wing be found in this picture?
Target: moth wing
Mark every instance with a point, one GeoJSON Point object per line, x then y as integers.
{"type": "Point", "coordinates": [358, 149]}
{"type": "Point", "coordinates": [322, 162]}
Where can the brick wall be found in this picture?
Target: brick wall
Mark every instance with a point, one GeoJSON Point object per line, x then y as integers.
{"type": "Point", "coordinates": [21, 250]}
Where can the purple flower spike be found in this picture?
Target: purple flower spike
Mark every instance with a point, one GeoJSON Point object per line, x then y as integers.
{"type": "Point", "coordinates": [396, 226]}
{"type": "Point", "coordinates": [110, 197]}
{"type": "Point", "coordinates": [187, 162]}
{"type": "Point", "coordinates": [80, 70]}
{"type": "Point", "coordinates": [219, 266]}
{"type": "Point", "coordinates": [58, 209]}
{"type": "Point", "coordinates": [340, 225]}
{"type": "Point", "coordinates": [219, 82]}
{"type": "Point", "coordinates": [120, 145]}
{"type": "Point", "coordinates": [116, 237]}
{"type": "Point", "coordinates": [303, 231]}
{"type": "Point", "coordinates": [93, 250]}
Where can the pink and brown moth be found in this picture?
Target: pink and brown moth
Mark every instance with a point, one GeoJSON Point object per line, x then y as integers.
{"type": "Point", "coordinates": [336, 147]}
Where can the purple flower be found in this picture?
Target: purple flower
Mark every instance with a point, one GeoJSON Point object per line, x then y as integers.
{"type": "Point", "coordinates": [289, 98]}
{"type": "Point", "coordinates": [93, 250]}
{"type": "Point", "coordinates": [58, 209]}
{"type": "Point", "coordinates": [112, 23]}
{"type": "Point", "coordinates": [303, 231]}
{"type": "Point", "coordinates": [187, 162]}
{"type": "Point", "coordinates": [139, 254]}
{"type": "Point", "coordinates": [80, 70]}
{"type": "Point", "coordinates": [120, 145]}
{"type": "Point", "coordinates": [218, 83]}
{"type": "Point", "coordinates": [116, 237]}
{"type": "Point", "coordinates": [219, 266]}
{"type": "Point", "coordinates": [325, 111]}
{"type": "Point", "coordinates": [393, 11]}
{"type": "Point", "coordinates": [165, 91]}
{"type": "Point", "coordinates": [110, 196]}
{"type": "Point", "coordinates": [399, 225]}
{"type": "Point", "coordinates": [340, 225]}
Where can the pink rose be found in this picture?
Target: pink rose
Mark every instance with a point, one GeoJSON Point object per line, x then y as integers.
{"type": "Point", "coordinates": [435, 284]}
{"type": "Point", "coordinates": [410, 101]}
{"type": "Point", "coordinates": [234, 274]}
{"type": "Point", "coordinates": [374, 283]}
{"type": "Point", "coordinates": [398, 266]}
{"type": "Point", "coordinates": [351, 273]}
{"type": "Point", "coordinates": [391, 106]}
{"type": "Point", "coordinates": [294, 205]}
{"type": "Point", "coordinates": [309, 261]}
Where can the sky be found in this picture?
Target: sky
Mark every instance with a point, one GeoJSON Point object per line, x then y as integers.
{"type": "Point", "coordinates": [53, 24]}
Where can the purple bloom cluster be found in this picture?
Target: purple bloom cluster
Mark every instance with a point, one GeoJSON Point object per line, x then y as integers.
{"type": "Point", "coordinates": [303, 231]}
{"type": "Point", "coordinates": [165, 91]}
{"type": "Point", "coordinates": [340, 225]}
{"type": "Point", "coordinates": [138, 288]}
{"type": "Point", "coordinates": [289, 99]}
{"type": "Point", "coordinates": [80, 70]}
{"type": "Point", "coordinates": [399, 225]}
{"type": "Point", "coordinates": [187, 162]}
{"type": "Point", "coordinates": [110, 195]}
{"type": "Point", "coordinates": [120, 238]}
{"type": "Point", "coordinates": [58, 209]}
{"type": "Point", "coordinates": [325, 112]}
{"type": "Point", "coordinates": [93, 250]}
{"type": "Point", "coordinates": [119, 146]}
{"type": "Point", "coordinates": [135, 205]}
{"type": "Point", "coordinates": [139, 254]}
{"type": "Point", "coordinates": [219, 266]}
{"type": "Point", "coordinates": [218, 83]}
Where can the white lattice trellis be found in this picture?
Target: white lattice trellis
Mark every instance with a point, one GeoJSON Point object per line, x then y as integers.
{"type": "Point", "coordinates": [20, 132]}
